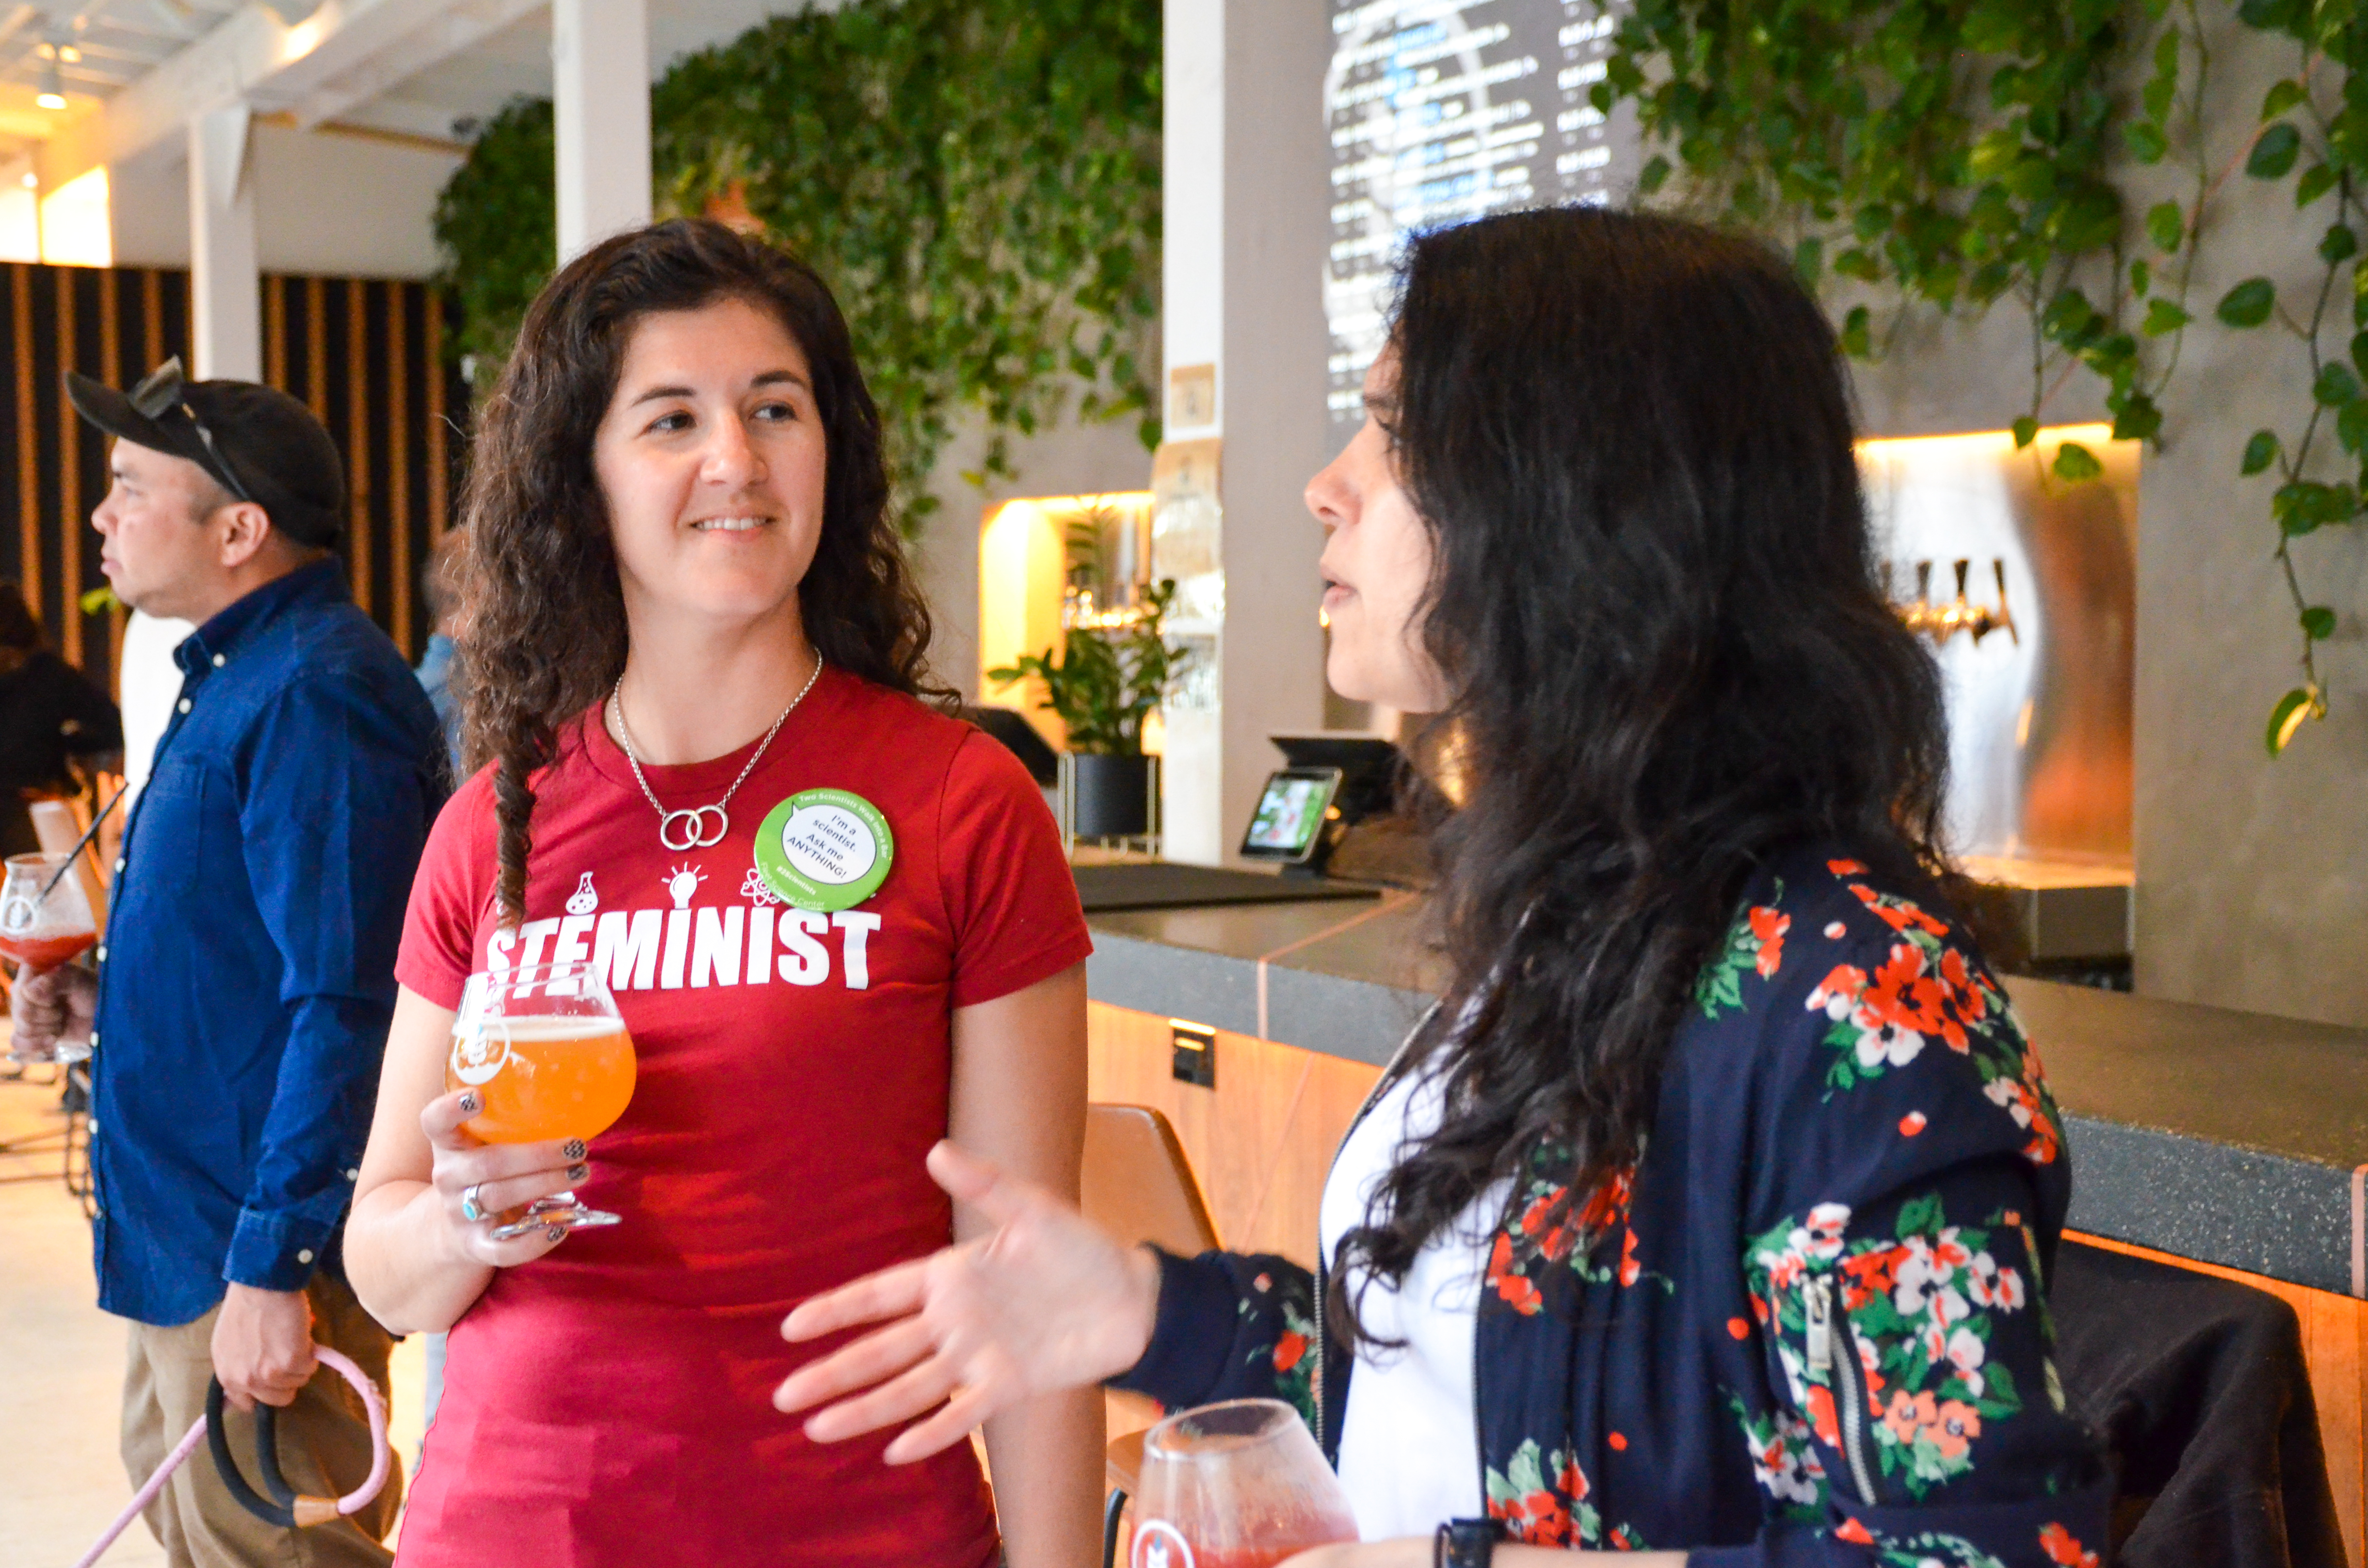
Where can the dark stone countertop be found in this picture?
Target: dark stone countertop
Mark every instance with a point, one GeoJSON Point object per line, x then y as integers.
{"type": "Point", "coordinates": [2229, 1138]}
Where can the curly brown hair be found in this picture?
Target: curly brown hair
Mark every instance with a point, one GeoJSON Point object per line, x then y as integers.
{"type": "Point", "coordinates": [546, 636]}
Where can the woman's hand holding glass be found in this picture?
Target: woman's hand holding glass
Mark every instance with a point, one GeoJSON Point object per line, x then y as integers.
{"type": "Point", "coordinates": [1046, 1302]}
{"type": "Point", "coordinates": [476, 1182]}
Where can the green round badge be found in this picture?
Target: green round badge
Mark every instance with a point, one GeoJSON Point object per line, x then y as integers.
{"type": "Point", "coordinates": [825, 849]}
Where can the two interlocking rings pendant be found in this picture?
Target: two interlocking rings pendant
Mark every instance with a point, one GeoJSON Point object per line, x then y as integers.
{"type": "Point", "coordinates": [689, 829]}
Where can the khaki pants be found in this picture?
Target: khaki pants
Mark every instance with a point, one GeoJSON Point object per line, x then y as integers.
{"type": "Point", "coordinates": [324, 1447]}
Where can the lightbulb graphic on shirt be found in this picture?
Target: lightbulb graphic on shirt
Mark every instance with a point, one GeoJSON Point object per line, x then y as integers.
{"type": "Point", "coordinates": [682, 883]}
{"type": "Point", "coordinates": [583, 901]}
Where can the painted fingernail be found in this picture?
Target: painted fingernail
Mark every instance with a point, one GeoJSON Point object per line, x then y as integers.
{"type": "Point", "coordinates": [469, 1105]}
{"type": "Point", "coordinates": [556, 1232]}
{"type": "Point", "coordinates": [579, 1173]}
{"type": "Point", "coordinates": [571, 1150]}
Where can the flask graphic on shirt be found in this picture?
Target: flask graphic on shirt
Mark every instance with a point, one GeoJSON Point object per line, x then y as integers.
{"type": "Point", "coordinates": [583, 901]}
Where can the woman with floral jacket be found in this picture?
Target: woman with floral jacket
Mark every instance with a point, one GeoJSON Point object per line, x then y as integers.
{"type": "Point", "coordinates": [1712, 1210]}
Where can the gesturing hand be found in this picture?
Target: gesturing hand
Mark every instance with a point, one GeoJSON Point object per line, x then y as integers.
{"type": "Point", "coordinates": [1047, 1301]}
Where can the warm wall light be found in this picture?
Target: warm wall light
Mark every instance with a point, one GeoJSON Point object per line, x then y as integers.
{"type": "Point", "coordinates": [21, 223]}
{"type": "Point", "coordinates": [2093, 436]}
{"type": "Point", "coordinates": [75, 227]}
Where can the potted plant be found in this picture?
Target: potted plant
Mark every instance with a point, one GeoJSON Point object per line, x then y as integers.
{"type": "Point", "coordinates": [1113, 669]}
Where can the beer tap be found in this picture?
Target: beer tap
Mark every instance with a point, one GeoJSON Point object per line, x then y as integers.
{"type": "Point", "coordinates": [1985, 620]}
{"type": "Point", "coordinates": [1943, 621]}
{"type": "Point", "coordinates": [1922, 616]}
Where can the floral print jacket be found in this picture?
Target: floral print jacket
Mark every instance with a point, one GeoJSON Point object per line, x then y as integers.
{"type": "Point", "coordinates": [1810, 1326]}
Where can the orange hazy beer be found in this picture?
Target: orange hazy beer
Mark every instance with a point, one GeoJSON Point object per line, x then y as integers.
{"type": "Point", "coordinates": [543, 1076]}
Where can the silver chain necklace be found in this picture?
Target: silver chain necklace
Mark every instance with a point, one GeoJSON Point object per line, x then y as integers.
{"type": "Point", "coordinates": [691, 825]}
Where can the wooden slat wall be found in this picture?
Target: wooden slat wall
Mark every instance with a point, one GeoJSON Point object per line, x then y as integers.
{"type": "Point", "coordinates": [367, 354]}
{"type": "Point", "coordinates": [1261, 1142]}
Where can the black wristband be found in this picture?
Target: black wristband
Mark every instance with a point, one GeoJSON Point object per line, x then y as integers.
{"type": "Point", "coordinates": [1466, 1543]}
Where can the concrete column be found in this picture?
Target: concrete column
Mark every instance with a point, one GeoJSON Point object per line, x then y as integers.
{"type": "Point", "coordinates": [600, 103]}
{"type": "Point", "coordinates": [1246, 212]}
{"type": "Point", "coordinates": [225, 281]}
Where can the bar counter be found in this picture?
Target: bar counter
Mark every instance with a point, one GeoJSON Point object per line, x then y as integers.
{"type": "Point", "coordinates": [2225, 1138]}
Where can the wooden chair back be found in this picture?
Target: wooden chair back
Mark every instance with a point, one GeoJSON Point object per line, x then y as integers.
{"type": "Point", "coordinates": [1138, 1185]}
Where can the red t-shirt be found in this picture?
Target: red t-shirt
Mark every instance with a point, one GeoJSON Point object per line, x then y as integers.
{"type": "Point", "coordinates": [609, 1405]}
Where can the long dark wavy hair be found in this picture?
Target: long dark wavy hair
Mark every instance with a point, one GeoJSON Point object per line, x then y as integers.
{"type": "Point", "coordinates": [1668, 656]}
{"type": "Point", "coordinates": [545, 636]}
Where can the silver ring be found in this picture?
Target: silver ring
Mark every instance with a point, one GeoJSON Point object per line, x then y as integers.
{"type": "Point", "coordinates": [470, 1210]}
{"type": "Point", "coordinates": [693, 828]}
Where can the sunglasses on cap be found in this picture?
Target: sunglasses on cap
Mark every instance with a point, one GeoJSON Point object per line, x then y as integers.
{"type": "Point", "coordinates": [159, 393]}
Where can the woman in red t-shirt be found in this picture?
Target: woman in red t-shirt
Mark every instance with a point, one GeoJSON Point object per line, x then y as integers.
{"type": "Point", "coordinates": [687, 604]}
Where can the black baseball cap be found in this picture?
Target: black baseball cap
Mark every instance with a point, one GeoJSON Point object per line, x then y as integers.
{"type": "Point", "coordinates": [259, 444]}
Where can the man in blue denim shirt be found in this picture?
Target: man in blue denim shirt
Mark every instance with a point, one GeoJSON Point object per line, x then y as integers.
{"type": "Point", "coordinates": [246, 979]}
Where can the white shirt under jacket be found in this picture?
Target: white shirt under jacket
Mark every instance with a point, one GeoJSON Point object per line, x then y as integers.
{"type": "Point", "coordinates": [1409, 1445]}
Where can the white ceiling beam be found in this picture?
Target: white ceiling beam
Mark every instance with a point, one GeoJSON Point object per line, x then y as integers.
{"type": "Point", "coordinates": [454, 28]}
{"type": "Point", "coordinates": [251, 58]}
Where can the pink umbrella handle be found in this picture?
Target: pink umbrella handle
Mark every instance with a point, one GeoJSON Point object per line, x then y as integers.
{"type": "Point", "coordinates": [381, 1456]}
{"type": "Point", "coordinates": [308, 1510]}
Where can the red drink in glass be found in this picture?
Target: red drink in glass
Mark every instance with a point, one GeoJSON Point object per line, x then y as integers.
{"type": "Point", "coordinates": [1235, 1485]}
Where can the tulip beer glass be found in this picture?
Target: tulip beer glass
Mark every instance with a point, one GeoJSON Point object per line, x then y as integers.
{"type": "Point", "coordinates": [1235, 1485]}
{"type": "Point", "coordinates": [45, 921]}
{"type": "Point", "coordinates": [548, 1054]}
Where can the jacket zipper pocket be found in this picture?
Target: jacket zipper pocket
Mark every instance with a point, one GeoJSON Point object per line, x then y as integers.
{"type": "Point", "coordinates": [1841, 1364]}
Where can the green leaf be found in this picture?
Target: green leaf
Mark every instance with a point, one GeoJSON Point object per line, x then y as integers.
{"type": "Point", "coordinates": [1655, 174]}
{"type": "Point", "coordinates": [2137, 419]}
{"type": "Point", "coordinates": [2070, 319]}
{"type": "Point", "coordinates": [1809, 260]}
{"type": "Point", "coordinates": [2318, 623]}
{"type": "Point", "coordinates": [2274, 152]}
{"type": "Point", "coordinates": [2163, 317]}
{"type": "Point", "coordinates": [2335, 386]}
{"type": "Point", "coordinates": [2260, 451]}
{"type": "Point", "coordinates": [2140, 278]}
{"type": "Point", "coordinates": [1860, 263]}
{"type": "Point", "coordinates": [2249, 303]}
{"type": "Point", "coordinates": [2075, 462]}
{"type": "Point", "coordinates": [2276, 15]}
{"type": "Point", "coordinates": [1994, 154]}
{"type": "Point", "coordinates": [2338, 246]}
{"type": "Point", "coordinates": [2303, 507]}
{"type": "Point", "coordinates": [2287, 717]}
{"type": "Point", "coordinates": [2165, 225]}
{"type": "Point", "coordinates": [2145, 141]}
{"type": "Point", "coordinates": [2315, 182]}
{"type": "Point", "coordinates": [2352, 427]}
{"type": "Point", "coordinates": [2026, 430]}
{"type": "Point", "coordinates": [2162, 91]}
{"type": "Point", "coordinates": [1857, 334]}
{"type": "Point", "coordinates": [2283, 96]}
{"type": "Point", "coordinates": [2359, 352]}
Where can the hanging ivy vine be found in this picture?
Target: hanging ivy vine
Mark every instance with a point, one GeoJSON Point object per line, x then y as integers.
{"type": "Point", "coordinates": [1952, 155]}
{"type": "Point", "coordinates": [978, 179]}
